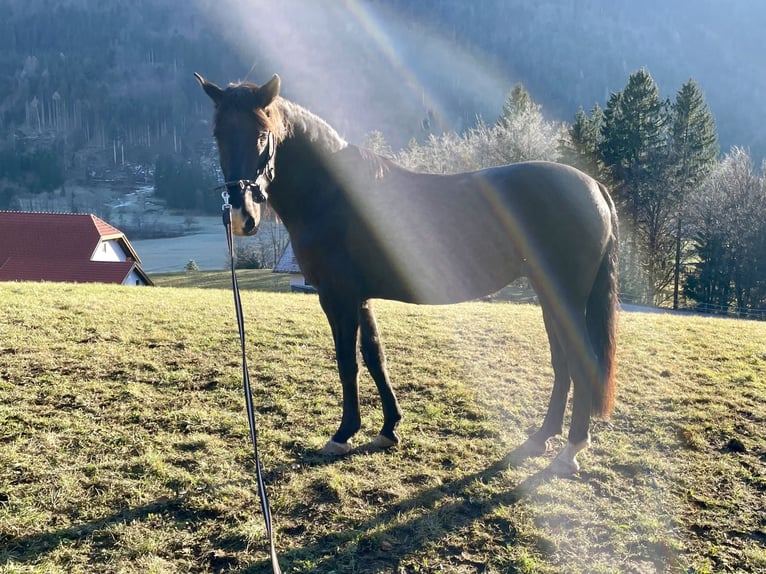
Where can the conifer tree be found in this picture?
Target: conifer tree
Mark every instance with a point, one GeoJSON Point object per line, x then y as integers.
{"type": "Point", "coordinates": [579, 146]}
{"type": "Point", "coordinates": [521, 132]}
{"type": "Point", "coordinates": [634, 149]}
{"type": "Point", "coordinates": [694, 149]}
{"type": "Point", "coordinates": [633, 144]}
{"type": "Point", "coordinates": [518, 102]}
{"type": "Point", "coordinates": [374, 141]}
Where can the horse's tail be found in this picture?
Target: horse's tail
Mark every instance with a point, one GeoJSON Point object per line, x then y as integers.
{"type": "Point", "coordinates": [601, 318]}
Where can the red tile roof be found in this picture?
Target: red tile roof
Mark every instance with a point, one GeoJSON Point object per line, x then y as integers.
{"type": "Point", "coordinates": [104, 228]}
{"type": "Point", "coordinates": [52, 235]}
{"type": "Point", "coordinates": [66, 270]}
{"type": "Point", "coordinates": [58, 247]}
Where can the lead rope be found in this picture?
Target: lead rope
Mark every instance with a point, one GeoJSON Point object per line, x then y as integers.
{"type": "Point", "coordinates": [248, 393]}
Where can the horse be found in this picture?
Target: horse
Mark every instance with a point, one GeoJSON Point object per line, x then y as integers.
{"type": "Point", "coordinates": [363, 228]}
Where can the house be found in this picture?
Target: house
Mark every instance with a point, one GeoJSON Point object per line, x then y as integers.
{"type": "Point", "coordinates": [66, 247]}
{"type": "Point", "coordinates": [289, 264]}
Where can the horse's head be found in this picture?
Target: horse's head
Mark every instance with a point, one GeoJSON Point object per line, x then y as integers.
{"type": "Point", "coordinates": [246, 135]}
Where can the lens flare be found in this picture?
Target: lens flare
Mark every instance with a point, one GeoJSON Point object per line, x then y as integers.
{"type": "Point", "coordinates": [353, 62]}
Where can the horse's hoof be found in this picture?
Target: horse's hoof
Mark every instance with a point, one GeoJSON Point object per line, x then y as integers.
{"type": "Point", "coordinates": [533, 447]}
{"type": "Point", "coordinates": [564, 467]}
{"type": "Point", "coordinates": [565, 463]}
{"type": "Point", "coordinates": [383, 442]}
{"type": "Point", "coordinates": [336, 448]}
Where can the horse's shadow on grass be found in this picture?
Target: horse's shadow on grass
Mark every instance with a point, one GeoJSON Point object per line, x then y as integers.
{"type": "Point", "coordinates": [360, 540]}
{"type": "Point", "coordinates": [402, 538]}
{"type": "Point", "coordinates": [31, 547]}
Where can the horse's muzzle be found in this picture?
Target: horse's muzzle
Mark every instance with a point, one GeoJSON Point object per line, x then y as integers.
{"type": "Point", "coordinates": [243, 223]}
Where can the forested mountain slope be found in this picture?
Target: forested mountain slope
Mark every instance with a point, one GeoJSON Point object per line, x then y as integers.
{"type": "Point", "coordinates": [100, 84]}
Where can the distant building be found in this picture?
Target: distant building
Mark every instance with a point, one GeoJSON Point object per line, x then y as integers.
{"type": "Point", "coordinates": [289, 264]}
{"type": "Point", "coordinates": [66, 247]}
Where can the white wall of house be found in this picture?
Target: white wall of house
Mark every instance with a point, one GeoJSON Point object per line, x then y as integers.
{"type": "Point", "coordinates": [134, 279]}
{"type": "Point", "coordinates": [298, 283]}
{"type": "Point", "coordinates": [108, 250]}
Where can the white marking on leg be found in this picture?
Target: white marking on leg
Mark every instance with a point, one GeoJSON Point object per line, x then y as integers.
{"type": "Point", "coordinates": [534, 447]}
{"type": "Point", "coordinates": [336, 448]}
{"type": "Point", "coordinates": [566, 461]}
{"type": "Point", "coordinates": [382, 441]}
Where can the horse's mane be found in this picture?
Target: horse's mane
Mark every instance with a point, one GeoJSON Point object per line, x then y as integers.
{"type": "Point", "coordinates": [300, 122]}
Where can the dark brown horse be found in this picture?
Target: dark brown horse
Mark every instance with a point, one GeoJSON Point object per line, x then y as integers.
{"type": "Point", "coordinates": [363, 227]}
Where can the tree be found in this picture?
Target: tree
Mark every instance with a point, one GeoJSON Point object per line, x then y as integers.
{"type": "Point", "coordinates": [30, 168]}
{"type": "Point", "coordinates": [374, 141]}
{"type": "Point", "coordinates": [580, 144]}
{"type": "Point", "coordinates": [520, 133]}
{"type": "Point", "coordinates": [517, 102]}
{"type": "Point", "coordinates": [729, 214]}
{"type": "Point", "coordinates": [448, 153]}
{"type": "Point", "coordinates": [248, 254]}
{"type": "Point", "coordinates": [191, 266]}
{"type": "Point", "coordinates": [277, 240]}
{"type": "Point", "coordinates": [634, 150]}
{"type": "Point", "coordinates": [183, 184]}
{"type": "Point", "coordinates": [633, 144]}
{"type": "Point", "coordinates": [652, 155]}
{"type": "Point", "coordinates": [694, 149]}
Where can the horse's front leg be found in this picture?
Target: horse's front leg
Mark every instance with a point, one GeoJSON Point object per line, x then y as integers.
{"type": "Point", "coordinates": [375, 359]}
{"type": "Point", "coordinates": [344, 323]}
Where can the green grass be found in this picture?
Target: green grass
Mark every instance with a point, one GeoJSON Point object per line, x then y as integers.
{"type": "Point", "coordinates": [124, 442]}
{"type": "Point", "coordinates": [260, 279]}
{"type": "Point", "coordinates": [266, 280]}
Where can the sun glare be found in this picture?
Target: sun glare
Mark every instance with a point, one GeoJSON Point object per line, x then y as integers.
{"type": "Point", "coordinates": [353, 64]}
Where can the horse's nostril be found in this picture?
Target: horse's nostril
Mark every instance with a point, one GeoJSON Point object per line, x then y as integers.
{"type": "Point", "coordinates": [249, 226]}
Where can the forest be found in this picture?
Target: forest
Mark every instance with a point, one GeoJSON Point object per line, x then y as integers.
{"type": "Point", "coordinates": [98, 100]}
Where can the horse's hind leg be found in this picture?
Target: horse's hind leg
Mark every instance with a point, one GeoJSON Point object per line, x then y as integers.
{"type": "Point", "coordinates": [375, 359]}
{"type": "Point", "coordinates": [554, 418]}
{"type": "Point", "coordinates": [583, 367]}
{"type": "Point", "coordinates": [344, 322]}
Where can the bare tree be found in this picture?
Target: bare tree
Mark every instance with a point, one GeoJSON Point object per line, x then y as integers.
{"type": "Point", "coordinates": [521, 133]}
{"type": "Point", "coordinates": [730, 239]}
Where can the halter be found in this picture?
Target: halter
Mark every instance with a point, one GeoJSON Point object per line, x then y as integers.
{"type": "Point", "coordinates": [264, 175]}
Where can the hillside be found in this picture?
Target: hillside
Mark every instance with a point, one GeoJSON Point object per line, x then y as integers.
{"type": "Point", "coordinates": [105, 88]}
{"type": "Point", "coordinates": [123, 441]}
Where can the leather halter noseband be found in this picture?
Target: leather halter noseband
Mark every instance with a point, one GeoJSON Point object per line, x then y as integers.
{"type": "Point", "coordinates": [264, 175]}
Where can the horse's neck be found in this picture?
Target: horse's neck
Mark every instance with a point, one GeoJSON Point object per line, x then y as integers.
{"type": "Point", "coordinates": [314, 164]}
{"type": "Point", "coordinates": [306, 128]}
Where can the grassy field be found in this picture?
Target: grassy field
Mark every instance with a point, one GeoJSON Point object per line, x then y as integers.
{"type": "Point", "coordinates": [266, 280]}
{"type": "Point", "coordinates": [124, 443]}
{"type": "Point", "coordinates": [258, 279]}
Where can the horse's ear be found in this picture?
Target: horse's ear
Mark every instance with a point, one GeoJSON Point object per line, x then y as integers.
{"type": "Point", "coordinates": [214, 92]}
{"type": "Point", "coordinates": [270, 90]}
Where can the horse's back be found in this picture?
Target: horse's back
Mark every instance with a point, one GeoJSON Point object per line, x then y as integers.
{"type": "Point", "coordinates": [539, 183]}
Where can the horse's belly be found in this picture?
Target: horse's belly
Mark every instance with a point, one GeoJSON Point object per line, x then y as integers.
{"type": "Point", "coordinates": [442, 275]}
